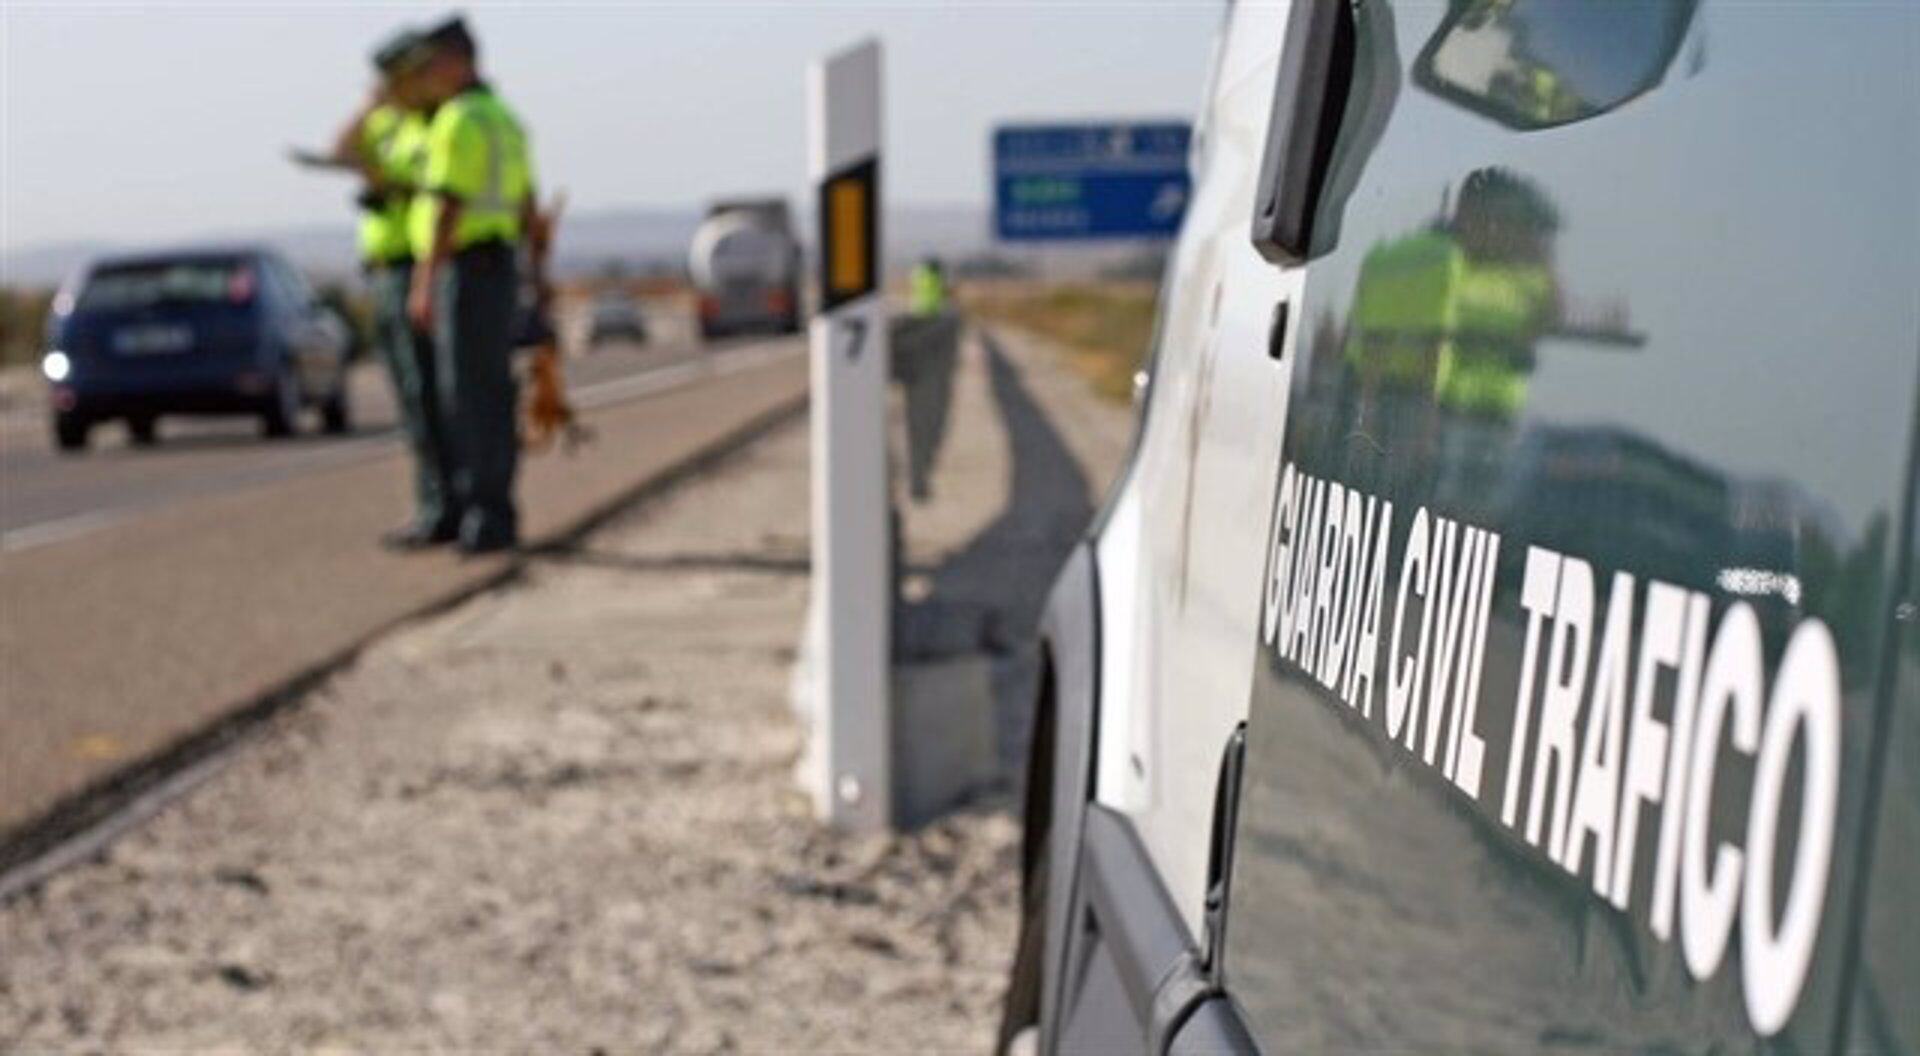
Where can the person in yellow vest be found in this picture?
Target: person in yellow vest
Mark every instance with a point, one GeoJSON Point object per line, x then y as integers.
{"type": "Point", "coordinates": [476, 206]}
{"type": "Point", "coordinates": [927, 288]}
{"type": "Point", "coordinates": [925, 353]}
{"type": "Point", "coordinates": [386, 141]}
{"type": "Point", "coordinates": [1444, 322]}
{"type": "Point", "coordinates": [1506, 296]}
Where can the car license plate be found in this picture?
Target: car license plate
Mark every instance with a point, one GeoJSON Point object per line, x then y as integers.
{"type": "Point", "coordinates": [152, 340]}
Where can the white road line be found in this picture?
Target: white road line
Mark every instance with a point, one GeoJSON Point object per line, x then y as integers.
{"type": "Point", "coordinates": [590, 397]}
{"type": "Point", "coordinates": [717, 365]}
{"type": "Point", "coordinates": [58, 529]}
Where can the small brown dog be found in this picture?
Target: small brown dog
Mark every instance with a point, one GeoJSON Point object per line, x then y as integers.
{"type": "Point", "coordinates": [547, 412]}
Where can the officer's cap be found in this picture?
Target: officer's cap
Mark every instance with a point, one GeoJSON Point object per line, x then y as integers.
{"type": "Point", "coordinates": [400, 52]}
{"type": "Point", "coordinates": [452, 34]}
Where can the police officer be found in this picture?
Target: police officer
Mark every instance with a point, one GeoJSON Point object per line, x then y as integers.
{"type": "Point", "coordinates": [927, 288]}
{"type": "Point", "coordinates": [1444, 325]}
{"type": "Point", "coordinates": [477, 204]}
{"type": "Point", "coordinates": [386, 140]}
{"type": "Point", "coordinates": [925, 352]}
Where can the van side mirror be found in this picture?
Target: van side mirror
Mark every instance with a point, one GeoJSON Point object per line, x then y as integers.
{"type": "Point", "coordinates": [1533, 64]}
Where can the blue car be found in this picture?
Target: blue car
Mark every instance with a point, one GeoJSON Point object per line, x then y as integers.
{"type": "Point", "coordinates": [222, 331]}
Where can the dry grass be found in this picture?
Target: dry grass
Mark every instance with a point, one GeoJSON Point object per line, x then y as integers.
{"type": "Point", "coordinates": [1105, 326]}
{"type": "Point", "coordinates": [23, 319]}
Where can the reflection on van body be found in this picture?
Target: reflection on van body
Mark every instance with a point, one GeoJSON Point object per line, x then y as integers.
{"type": "Point", "coordinates": [1563, 729]}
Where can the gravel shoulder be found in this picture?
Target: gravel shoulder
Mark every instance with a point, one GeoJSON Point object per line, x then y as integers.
{"type": "Point", "coordinates": [559, 817]}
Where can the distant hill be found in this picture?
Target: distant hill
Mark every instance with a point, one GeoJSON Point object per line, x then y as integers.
{"type": "Point", "coordinates": [637, 239]}
{"type": "Point", "coordinates": [46, 265]}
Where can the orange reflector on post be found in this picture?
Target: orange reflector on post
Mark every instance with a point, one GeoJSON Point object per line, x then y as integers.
{"type": "Point", "coordinates": [847, 201]}
{"type": "Point", "coordinates": [848, 235]}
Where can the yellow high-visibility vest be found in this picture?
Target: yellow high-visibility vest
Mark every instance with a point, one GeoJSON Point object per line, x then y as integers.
{"type": "Point", "coordinates": [392, 140]}
{"type": "Point", "coordinates": [476, 152]}
{"type": "Point", "coordinates": [1426, 316]}
{"type": "Point", "coordinates": [926, 292]}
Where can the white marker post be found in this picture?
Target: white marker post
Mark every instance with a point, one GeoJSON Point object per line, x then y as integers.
{"type": "Point", "coordinates": [852, 783]}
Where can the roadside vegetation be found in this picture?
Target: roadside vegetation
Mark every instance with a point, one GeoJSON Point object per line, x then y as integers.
{"type": "Point", "coordinates": [1105, 326]}
{"type": "Point", "coordinates": [23, 315]}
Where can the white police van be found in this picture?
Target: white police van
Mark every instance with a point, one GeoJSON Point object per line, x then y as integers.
{"type": "Point", "coordinates": [1505, 636]}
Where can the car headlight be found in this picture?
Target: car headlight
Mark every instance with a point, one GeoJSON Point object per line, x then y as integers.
{"type": "Point", "coordinates": [56, 365]}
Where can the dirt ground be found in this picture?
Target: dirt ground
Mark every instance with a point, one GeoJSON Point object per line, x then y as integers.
{"type": "Point", "coordinates": [562, 816]}
{"type": "Point", "coordinates": [559, 818]}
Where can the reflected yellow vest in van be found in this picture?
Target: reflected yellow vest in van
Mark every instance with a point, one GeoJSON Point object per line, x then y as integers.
{"type": "Point", "coordinates": [1426, 317]}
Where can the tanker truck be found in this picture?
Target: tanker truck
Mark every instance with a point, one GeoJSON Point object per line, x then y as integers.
{"type": "Point", "coordinates": [745, 264]}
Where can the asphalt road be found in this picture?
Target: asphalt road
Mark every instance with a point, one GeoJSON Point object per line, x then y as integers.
{"type": "Point", "coordinates": [147, 593]}
{"type": "Point", "coordinates": [46, 496]}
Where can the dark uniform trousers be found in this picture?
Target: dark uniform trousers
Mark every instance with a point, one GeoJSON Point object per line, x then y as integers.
{"type": "Point", "coordinates": [410, 363]}
{"type": "Point", "coordinates": [474, 302]}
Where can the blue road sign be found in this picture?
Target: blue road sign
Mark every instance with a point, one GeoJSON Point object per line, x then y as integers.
{"type": "Point", "coordinates": [1090, 181]}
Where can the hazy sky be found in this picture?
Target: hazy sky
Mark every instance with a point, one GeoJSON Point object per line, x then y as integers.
{"type": "Point", "coordinates": [138, 123]}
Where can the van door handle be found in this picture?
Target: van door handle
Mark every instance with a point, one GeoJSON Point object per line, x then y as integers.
{"type": "Point", "coordinates": [1226, 826]}
{"type": "Point", "coordinates": [1277, 332]}
{"type": "Point", "coordinates": [1198, 977]}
